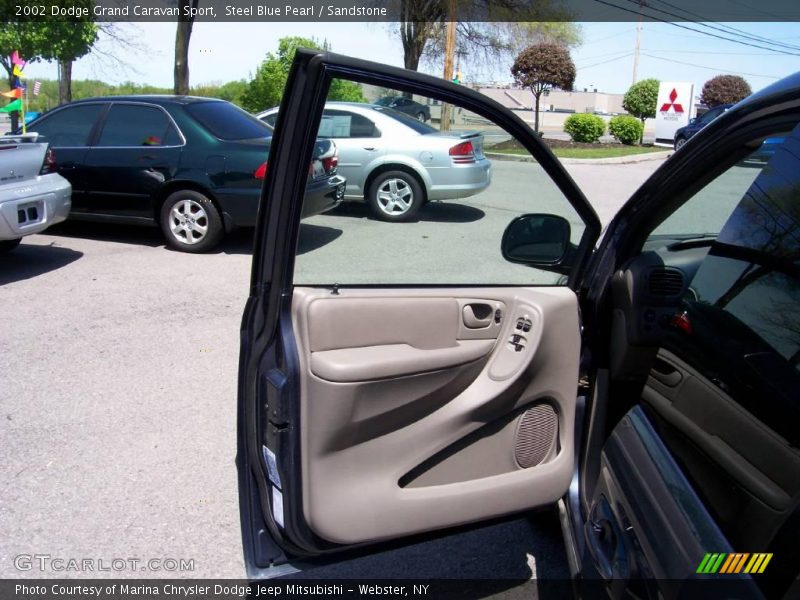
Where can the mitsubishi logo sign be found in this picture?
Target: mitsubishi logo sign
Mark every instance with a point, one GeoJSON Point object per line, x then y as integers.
{"type": "Point", "coordinates": [673, 95]}
{"type": "Point", "coordinates": [675, 105]}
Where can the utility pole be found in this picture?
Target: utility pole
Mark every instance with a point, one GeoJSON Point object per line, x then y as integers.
{"type": "Point", "coordinates": [449, 55]}
{"type": "Point", "coordinates": [636, 50]}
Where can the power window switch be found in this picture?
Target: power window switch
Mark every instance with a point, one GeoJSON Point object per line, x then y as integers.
{"type": "Point", "coordinates": [526, 326]}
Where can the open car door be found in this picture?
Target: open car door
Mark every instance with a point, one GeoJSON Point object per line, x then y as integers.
{"type": "Point", "coordinates": [403, 377]}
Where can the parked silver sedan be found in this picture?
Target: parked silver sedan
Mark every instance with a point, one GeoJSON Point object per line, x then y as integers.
{"type": "Point", "coordinates": [395, 162]}
{"type": "Point", "coordinates": [33, 195]}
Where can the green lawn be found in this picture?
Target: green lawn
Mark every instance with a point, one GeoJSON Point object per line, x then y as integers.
{"type": "Point", "coordinates": [588, 152]}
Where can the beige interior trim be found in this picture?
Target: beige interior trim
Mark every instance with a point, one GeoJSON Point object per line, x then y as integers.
{"type": "Point", "coordinates": [393, 360]}
{"type": "Point", "coordinates": [360, 437]}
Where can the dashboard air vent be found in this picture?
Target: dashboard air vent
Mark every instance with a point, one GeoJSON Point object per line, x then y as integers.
{"type": "Point", "coordinates": [665, 282]}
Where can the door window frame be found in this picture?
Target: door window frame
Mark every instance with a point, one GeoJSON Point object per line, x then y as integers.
{"type": "Point", "coordinates": [278, 224]}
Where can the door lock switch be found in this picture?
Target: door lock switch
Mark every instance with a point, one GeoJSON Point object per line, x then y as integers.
{"type": "Point", "coordinates": [517, 342]}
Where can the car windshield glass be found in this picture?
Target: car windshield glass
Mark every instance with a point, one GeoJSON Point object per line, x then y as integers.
{"type": "Point", "coordinates": [406, 120]}
{"type": "Point", "coordinates": [384, 101]}
{"type": "Point", "coordinates": [228, 122]}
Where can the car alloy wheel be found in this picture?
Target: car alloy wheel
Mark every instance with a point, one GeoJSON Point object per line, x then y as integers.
{"type": "Point", "coordinates": [421, 116]}
{"type": "Point", "coordinates": [395, 196]}
{"type": "Point", "coordinates": [679, 143]}
{"type": "Point", "coordinates": [191, 222]}
{"type": "Point", "coordinates": [188, 222]}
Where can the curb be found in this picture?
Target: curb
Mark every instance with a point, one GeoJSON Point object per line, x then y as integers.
{"type": "Point", "coordinates": [614, 160]}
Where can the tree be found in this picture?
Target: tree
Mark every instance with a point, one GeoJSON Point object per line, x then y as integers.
{"type": "Point", "coordinates": [48, 39]}
{"type": "Point", "coordinates": [489, 31]}
{"type": "Point", "coordinates": [75, 39]}
{"type": "Point", "coordinates": [542, 67]}
{"type": "Point", "coordinates": [724, 89]}
{"type": "Point", "coordinates": [640, 100]}
{"type": "Point", "coordinates": [266, 88]}
{"type": "Point", "coordinates": [418, 19]}
{"type": "Point", "coordinates": [183, 35]}
{"type": "Point", "coordinates": [492, 45]}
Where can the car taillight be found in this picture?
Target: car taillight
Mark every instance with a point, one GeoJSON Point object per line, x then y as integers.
{"type": "Point", "coordinates": [49, 165]}
{"type": "Point", "coordinates": [330, 163]}
{"type": "Point", "coordinates": [463, 152]}
{"type": "Point", "coordinates": [261, 171]}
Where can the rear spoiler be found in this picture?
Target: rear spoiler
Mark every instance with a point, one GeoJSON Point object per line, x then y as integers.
{"type": "Point", "coordinates": [462, 135]}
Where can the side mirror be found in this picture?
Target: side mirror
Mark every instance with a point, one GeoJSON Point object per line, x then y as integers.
{"type": "Point", "coordinates": [539, 240]}
{"type": "Point", "coordinates": [693, 120]}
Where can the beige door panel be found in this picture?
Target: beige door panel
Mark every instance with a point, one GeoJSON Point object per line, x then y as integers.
{"type": "Point", "coordinates": [412, 401]}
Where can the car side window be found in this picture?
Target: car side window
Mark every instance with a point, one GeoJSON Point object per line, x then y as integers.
{"type": "Point", "coordinates": [712, 114]}
{"type": "Point", "coordinates": [343, 124]}
{"type": "Point", "coordinates": [270, 119]}
{"type": "Point", "coordinates": [129, 125]}
{"type": "Point", "coordinates": [727, 378]}
{"type": "Point", "coordinates": [425, 205]}
{"type": "Point", "coordinates": [69, 127]}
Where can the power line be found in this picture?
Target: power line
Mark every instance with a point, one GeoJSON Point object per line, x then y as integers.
{"type": "Point", "coordinates": [595, 57]}
{"type": "Point", "coordinates": [710, 68]}
{"type": "Point", "coordinates": [695, 30]}
{"type": "Point", "coordinates": [603, 62]}
{"type": "Point", "coordinates": [608, 37]}
{"type": "Point", "coordinates": [706, 52]}
{"type": "Point", "coordinates": [719, 27]}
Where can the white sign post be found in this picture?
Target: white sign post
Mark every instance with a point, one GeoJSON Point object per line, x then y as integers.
{"type": "Point", "coordinates": [673, 109]}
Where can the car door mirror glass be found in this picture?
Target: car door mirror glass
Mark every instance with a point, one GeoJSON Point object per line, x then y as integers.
{"type": "Point", "coordinates": [536, 240]}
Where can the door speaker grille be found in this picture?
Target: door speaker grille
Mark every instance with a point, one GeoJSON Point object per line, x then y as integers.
{"type": "Point", "coordinates": [536, 436]}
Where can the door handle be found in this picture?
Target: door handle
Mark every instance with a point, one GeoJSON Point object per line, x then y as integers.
{"type": "Point", "coordinates": [370, 149]}
{"type": "Point", "coordinates": [477, 316]}
{"type": "Point", "coordinates": [665, 373]}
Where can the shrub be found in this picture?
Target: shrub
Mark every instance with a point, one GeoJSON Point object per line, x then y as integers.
{"type": "Point", "coordinates": [584, 127]}
{"type": "Point", "coordinates": [724, 89]}
{"type": "Point", "coordinates": [626, 129]}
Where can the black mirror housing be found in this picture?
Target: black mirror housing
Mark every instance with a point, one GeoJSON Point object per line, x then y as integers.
{"type": "Point", "coordinates": [539, 240]}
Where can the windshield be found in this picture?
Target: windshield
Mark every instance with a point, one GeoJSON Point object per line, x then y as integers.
{"type": "Point", "coordinates": [385, 101]}
{"type": "Point", "coordinates": [228, 122]}
{"type": "Point", "coordinates": [406, 120]}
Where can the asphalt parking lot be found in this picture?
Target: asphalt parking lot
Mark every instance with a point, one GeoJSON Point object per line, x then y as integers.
{"type": "Point", "coordinates": [118, 392]}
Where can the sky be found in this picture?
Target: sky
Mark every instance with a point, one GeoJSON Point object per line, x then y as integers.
{"type": "Point", "coordinates": [221, 52]}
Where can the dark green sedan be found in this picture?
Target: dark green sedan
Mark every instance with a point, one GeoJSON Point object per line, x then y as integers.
{"type": "Point", "coordinates": [193, 166]}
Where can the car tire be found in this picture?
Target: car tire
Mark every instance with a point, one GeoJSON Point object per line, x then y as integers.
{"type": "Point", "coordinates": [421, 117]}
{"type": "Point", "coordinates": [9, 245]}
{"type": "Point", "coordinates": [679, 142]}
{"type": "Point", "coordinates": [395, 196]}
{"type": "Point", "coordinates": [190, 222]}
